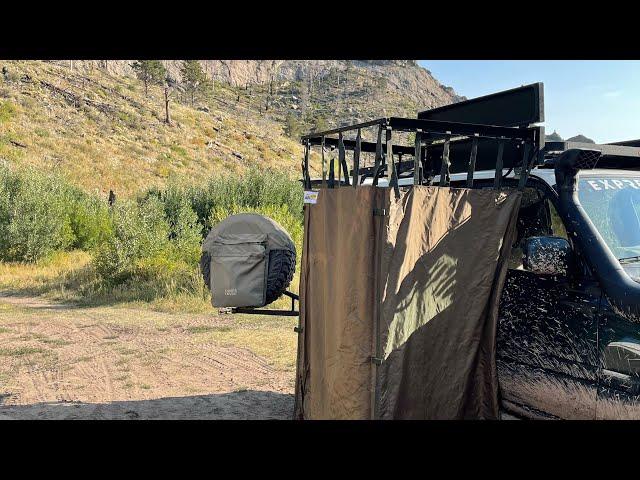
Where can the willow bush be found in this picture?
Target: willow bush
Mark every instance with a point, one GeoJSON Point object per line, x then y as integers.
{"type": "Point", "coordinates": [149, 246]}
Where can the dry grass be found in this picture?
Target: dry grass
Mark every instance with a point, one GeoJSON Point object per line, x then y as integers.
{"type": "Point", "coordinates": [267, 337]}
{"type": "Point", "coordinates": [48, 277]}
{"type": "Point", "coordinates": [69, 277]}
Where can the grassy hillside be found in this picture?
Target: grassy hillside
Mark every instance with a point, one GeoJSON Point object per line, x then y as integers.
{"type": "Point", "coordinates": [102, 133]}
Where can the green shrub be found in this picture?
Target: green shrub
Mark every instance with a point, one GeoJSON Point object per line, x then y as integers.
{"type": "Point", "coordinates": [143, 249]}
{"type": "Point", "coordinates": [186, 234]}
{"type": "Point", "coordinates": [90, 222]}
{"type": "Point", "coordinates": [34, 215]}
{"type": "Point", "coordinates": [255, 188]}
{"type": "Point", "coordinates": [139, 231]}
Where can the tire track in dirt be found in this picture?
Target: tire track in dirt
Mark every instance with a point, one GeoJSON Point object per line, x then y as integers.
{"type": "Point", "coordinates": [93, 366]}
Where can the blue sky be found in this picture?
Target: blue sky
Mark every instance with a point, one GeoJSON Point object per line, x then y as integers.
{"type": "Point", "coordinates": [599, 99]}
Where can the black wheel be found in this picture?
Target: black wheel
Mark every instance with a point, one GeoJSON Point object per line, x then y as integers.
{"type": "Point", "coordinates": [205, 268]}
{"type": "Point", "coordinates": [282, 266]}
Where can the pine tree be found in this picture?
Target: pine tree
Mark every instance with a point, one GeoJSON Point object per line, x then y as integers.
{"type": "Point", "coordinates": [292, 126]}
{"type": "Point", "coordinates": [193, 78]}
{"type": "Point", "coordinates": [151, 72]}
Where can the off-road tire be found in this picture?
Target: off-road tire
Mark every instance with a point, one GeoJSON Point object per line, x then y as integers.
{"type": "Point", "coordinates": [282, 266]}
{"type": "Point", "coordinates": [205, 268]}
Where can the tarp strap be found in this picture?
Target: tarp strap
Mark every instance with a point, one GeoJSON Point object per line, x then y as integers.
{"type": "Point", "coordinates": [497, 182]}
{"type": "Point", "coordinates": [445, 175]}
{"type": "Point", "coordinates": [332, 173]}
{"type": "Point", "coordinates": [393, 181]}
{"type": "Point", "coordinates": [472, 161]}
{"type": "Point", "coordinates": [339, 168]}
{"type": "Point", "coordinates": [378, 160]}
{"type": "Point", "coordinates": [342, 159]}
{"type": "Point", "coordinates": [527, 165]}
{"type": "Point", "coordinates": [305, 167]}
{"type": "Point", "coordinates": [376, 358]}
{"type": "Point", "coordinates": [417, 167]}
{"type": "Point", "coordinates": [324, 165]}
{"type": "Point", "coordinates": [427, 174]}
{"type": "Point", "coordinates": [356, 159]}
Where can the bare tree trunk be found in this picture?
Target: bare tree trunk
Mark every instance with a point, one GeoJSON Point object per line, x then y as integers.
{"type": "Point", "coordinates": [167, 115]}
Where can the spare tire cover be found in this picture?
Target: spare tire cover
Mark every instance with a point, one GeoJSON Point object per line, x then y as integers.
{"type": "Point", "coordinates": [280, 254]}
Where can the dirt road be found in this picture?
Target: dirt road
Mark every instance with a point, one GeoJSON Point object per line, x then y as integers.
{"type": "Point", "coordinates": [61, 361]}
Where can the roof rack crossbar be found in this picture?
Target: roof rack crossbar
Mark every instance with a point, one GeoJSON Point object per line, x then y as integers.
{"type": "Point", "coordinates": [433, 126]}
{"type": "Point", "coordinates": [346, 128]}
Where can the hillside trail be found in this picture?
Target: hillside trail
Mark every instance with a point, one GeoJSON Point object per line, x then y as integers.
{"type": "Point", "coordinates": [62, 361]}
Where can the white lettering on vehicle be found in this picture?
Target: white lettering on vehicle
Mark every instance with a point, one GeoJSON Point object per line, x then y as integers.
{"type": "Point", "coordinates": [230, 291]}
{"type": "Point", "coordinates": [607, 185]}
{"type": "Point", "coordinates": [614, 184]}
{"type": "Point", "coordinates": [594, 184]}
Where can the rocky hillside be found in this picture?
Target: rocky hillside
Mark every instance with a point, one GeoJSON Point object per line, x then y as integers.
{"type": "Point", "coordinates": [404, 78]}
{"type": "Point", "coordinates": [91, 120]}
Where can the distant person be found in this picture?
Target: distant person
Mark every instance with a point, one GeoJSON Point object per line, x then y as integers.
{"type": "Point", "coordinates": [112, 198]}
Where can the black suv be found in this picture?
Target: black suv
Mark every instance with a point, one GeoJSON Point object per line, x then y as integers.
{"type": "Point", "coordinates": [568, 334]}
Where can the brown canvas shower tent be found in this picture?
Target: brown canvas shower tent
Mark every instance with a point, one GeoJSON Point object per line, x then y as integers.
{"type": "Point", "coordinates": [400, 284]}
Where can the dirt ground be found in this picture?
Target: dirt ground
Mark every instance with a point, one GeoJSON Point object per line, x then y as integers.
{"type": "Point", "coordinates": [65, 362]}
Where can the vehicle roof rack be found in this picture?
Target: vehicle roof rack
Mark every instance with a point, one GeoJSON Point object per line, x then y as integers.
{"type": "Point", "coordinates": [440, 147]}
{"type": "Point", "coordinates": [493, 132]}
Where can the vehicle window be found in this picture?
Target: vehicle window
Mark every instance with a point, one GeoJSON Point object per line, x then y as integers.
{"type": "Point", "coordinates": [613, 205]}
{"type": "Point", "coordinates": [557, 227]}
{"type": "Point", "coordinates": [537, 217]}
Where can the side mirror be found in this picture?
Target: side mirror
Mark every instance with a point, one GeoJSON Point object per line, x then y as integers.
{"type": "Point", "coordinates": [547, 255]}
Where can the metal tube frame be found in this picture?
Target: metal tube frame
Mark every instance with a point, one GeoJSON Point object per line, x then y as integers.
{"type": "Point", "coordinates": [428, 133]}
